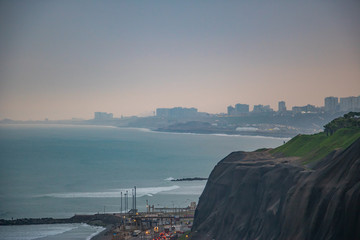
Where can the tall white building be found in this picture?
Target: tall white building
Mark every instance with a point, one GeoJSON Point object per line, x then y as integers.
{"type": "Point", "coordinates": [349, 104]}
{"type": "Point", "coordinates": [282, 106]}
{"type": "Point", "coordinates": [331, 104]}
{"type": "Point", "coordinates": [261, 108]}
{"type": "Point", "coordinates": [102, 116]}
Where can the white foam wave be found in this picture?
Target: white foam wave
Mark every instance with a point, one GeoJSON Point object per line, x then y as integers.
{"type": "Point", "coordinates": [169, 179]}
{"type": "Point", "coordinates": [98, 231]}
{"type": "Point", "coordinates": [186, 190]}
{"type": "Point", "coordinates": [114, 193]}
{"type": "Point", "coordinates": [222, 135]}
{"type": "Point", "coordinates": [29, 232]}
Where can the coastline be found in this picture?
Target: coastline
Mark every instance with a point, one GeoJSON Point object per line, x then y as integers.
{"type": "Point", "coordinates": [104, 234]}
{"type": "Point", "coordinates": [105, 221]}
{"type": "Point", "coordinates": [229, 133]}
{"type": "Point", "coordinates": [215, 132]}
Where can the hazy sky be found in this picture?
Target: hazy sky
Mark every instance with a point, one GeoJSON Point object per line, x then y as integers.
{"type": "Point", "coordinates": [63, 59]}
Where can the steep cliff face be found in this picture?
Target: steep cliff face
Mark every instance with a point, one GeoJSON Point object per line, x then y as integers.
{"type": "Point", "coordinates": [256, 195]}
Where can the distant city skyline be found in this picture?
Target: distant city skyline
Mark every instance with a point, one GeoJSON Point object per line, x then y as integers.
{"type": "Point", "coordinates": [65, 59]}
{"type": "Point", "coordinates": [331, 105]}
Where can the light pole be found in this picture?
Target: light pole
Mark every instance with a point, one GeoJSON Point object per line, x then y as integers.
{"type": "Point", "coordinates": [135, 197]}
{"type": "Point", "coordinates": [126, 202]}
{"type": "Point", "coordinates": [121, 203]}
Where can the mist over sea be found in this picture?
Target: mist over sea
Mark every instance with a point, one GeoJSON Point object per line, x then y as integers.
{"type": "Point", "coordinates": [61, 170]}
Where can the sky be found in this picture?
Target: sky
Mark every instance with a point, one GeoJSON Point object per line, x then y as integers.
{"type": "Point", "coordinates": [63, 59]}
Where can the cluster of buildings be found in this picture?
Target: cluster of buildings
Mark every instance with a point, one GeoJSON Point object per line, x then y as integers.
{"type": "Point", "coordinates": [332, 105]}
{"type": "Point", "coordinates": [238, 109]}
{"type": "Point", "coordinates": [244, 109]}
{"type": "Point", "coordinates": [103, 116]}
{"type": "Point", "coordinates": [177, 112]}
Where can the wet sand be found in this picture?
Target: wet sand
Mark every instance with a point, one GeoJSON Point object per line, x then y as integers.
{"type": "Point", "coordinates": [104, 235]}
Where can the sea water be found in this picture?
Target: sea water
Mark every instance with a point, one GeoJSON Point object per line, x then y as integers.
{"type": "Point", "coordinates": [75, 231]}
{"type": "Point", "coordinates": [61, 170]}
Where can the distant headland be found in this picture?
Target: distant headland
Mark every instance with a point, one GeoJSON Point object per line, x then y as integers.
{"type": "Point", "coordinates": [189, 179]}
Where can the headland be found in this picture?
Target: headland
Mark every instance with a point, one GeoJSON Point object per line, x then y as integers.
{"type": "Point", "coordinates": [308, 188]}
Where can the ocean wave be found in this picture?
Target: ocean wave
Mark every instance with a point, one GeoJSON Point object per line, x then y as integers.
{"type": "Point", "coordinates": [238, 135]}
{"type": "Point", "coordinates": [114, 193]}
{"type": "Point", "coordinates": [29, 232]}
{"type": "Point", "coordinates": [169, 179]}
{"type": "Point", "coordinates": [186, 190]}
{"type": "Point", "coordinates": [98, 231]}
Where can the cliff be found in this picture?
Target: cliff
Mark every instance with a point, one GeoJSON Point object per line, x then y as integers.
{"type": "Point", "coordinates": [264, 195]}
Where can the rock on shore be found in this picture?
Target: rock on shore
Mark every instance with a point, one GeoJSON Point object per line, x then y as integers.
{"type": "Point", "coordinates": [257, 195]}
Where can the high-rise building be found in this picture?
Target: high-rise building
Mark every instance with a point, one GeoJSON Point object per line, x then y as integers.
{"type": "Point", "coordinates": [177, 112]}
{"type": "Point", "coordinates": [261, 108]}
{"type": "Point", "coordinates": [349, 104]}
{"type": "Point", "coordinates": [100, 116]}
{"type": "Point", "coordinates": [230, 110]}
{"type": "Point", "coordinates": [331, 104]}
{"type": "Point", "coordinates": [241, 108]}
{"type": "Point", "coordinates": [282, 106]}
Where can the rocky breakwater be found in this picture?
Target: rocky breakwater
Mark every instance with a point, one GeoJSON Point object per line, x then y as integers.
{"type": "Point", "coordinates": [261, 195]}
{"type": "Point", "coordinates": [96, 220]}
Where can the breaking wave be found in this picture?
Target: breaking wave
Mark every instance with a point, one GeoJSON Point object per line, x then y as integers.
{"type": "Point", "coordinates": [114, 193]}
{"type": "Point", "coordinates": [186, 190]}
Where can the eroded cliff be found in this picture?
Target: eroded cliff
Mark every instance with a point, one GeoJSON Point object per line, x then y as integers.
{"type": "Point", "coordinates": [259, 195]}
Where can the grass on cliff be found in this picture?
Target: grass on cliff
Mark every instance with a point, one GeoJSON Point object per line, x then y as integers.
{"type": "Point", "coordinates": [314, 147]}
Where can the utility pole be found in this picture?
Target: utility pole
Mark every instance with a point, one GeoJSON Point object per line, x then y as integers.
{"type": "Point", "coordinates": [132, 199]}
{"type": "Point", "coordinates": [121, 203]}
{"type": "Point", "coordinates": [127, 194]}
{"type": "Point", "coordinates": [135, 198]}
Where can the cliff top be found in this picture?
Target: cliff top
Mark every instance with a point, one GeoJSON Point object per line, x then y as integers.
{"type": "Point", "coordinates": [339, 134]}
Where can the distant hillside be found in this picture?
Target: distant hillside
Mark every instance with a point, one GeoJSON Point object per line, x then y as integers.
{"type": "Point", "coordinates": [339, 134]}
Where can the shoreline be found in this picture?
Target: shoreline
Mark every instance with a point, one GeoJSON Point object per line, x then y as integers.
{"type": "Point", "coordinates": [103, 234]}
{"type": "Point", "coordinates": [106, 221]}
{"type": "Point", "coordinates": [228, 134]}
{"type": "Point", "coordinates": [173, 131]}
{"type": "Point", "coordinates": [106, 226]}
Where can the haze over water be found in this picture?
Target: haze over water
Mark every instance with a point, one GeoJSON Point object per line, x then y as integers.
{"type": "Point", "coordinates": [64, 59]}
{"type": "Point", "coordinates": [58, 170]}
{"type": "Point", "coordinates": [68, 59]}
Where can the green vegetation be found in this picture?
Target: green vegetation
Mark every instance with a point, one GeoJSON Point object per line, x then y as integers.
{"type": "Point", "coordinates": [349, 120]}
{"type": "Point", "coordinates": [340, 134]}
{"type": "Point", "coordinates": [314, 147]}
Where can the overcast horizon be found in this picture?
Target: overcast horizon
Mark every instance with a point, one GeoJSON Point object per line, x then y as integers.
{"type": "Point", "coordinates": [69, 59]}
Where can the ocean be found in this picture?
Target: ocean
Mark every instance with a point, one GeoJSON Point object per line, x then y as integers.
{"type": "Point", "coordinates": [61, 170]}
